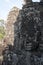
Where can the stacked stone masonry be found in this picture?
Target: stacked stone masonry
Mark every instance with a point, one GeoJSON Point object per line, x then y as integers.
{"type": "Point", "coordinates": [28, 36]}
{"type": "Point", "coordinates": [12, 16]}
{"type": "Point", "coordinates": [28, 43]}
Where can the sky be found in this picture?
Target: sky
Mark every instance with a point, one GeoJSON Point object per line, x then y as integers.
{"type": "Point", "coordinates": [6, 5]}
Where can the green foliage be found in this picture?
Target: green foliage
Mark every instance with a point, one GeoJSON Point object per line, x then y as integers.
{"type": "Point", "coordinates": [2, 33]}
{"type": "Point", "coordinates": [2, 30]}
{"type": "Point", "coordinates": [1, 20]}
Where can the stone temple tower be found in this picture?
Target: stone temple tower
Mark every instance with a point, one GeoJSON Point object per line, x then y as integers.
{"type": "Point", "coordinates": [28, 35]}
{"type": "Point", "coordinates": [28, 30]}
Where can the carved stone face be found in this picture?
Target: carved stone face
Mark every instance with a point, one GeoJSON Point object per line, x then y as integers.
{"type": "Point", "coordinates": [26, 1]}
